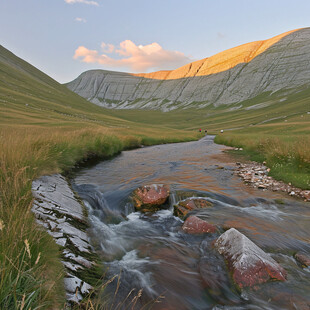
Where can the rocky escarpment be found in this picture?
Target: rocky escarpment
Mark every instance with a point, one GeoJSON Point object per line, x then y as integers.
{"type": "Point", "coordinates": [281, 63]}
{"type": "Point", "coordinates": [58, 210]}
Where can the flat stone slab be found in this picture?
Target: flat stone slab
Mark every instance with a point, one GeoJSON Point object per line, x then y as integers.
{"type": "Point", "coordinates": [78, 259]}
{"type": "Point", "coordinates": [58, 210]}
{"type": "Point", "coordinates": [77, 287]}
{"type": "Point", "coordinates": [53, 193]}
{"type": "Point", "coordinates": [249, 264]}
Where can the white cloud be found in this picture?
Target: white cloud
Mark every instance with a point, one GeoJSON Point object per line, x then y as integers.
{"type": "Point", "coordinates": [80, 20]}
{"type": "Point", "coordinates": [134, 57]}
{"type": "Point", "coordinates": [90, 2]}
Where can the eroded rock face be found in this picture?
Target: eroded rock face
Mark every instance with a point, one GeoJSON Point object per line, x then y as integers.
{"type": "Point", "coordinates": [57, 209]}
{"type": "Point", "coordinates": [149, 198]}
{"type": "Point", "coordinates": [195, 225]}
{"type": "Point", "coordinates": [229, 77]}
{"type": "Point", "coordinates": [185, 206]}
{"type": "Point", "coordinates": [249, 264]}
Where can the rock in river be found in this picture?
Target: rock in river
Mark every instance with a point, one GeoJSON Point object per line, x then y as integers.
{"type": "Point", "coordinates": [195, 225]}
{"type": "Point", "coordinates": [187, 205]}
{"type": "Point", "coordinates": [150, 197]}
{"type": "Point", "coordinates": [303, 259]}
{"type": "Point", "coordinates": [249, 264]}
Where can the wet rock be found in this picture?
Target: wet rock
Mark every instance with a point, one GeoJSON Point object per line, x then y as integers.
{"type": "Point", "coordinates": [150, 197]}
{"type": "Point", "coordinates": [303, 258]}
{"type": "Point", "coordinates": [185, 206]}
{"type": "Point", "coordinates": [249, 264]}
{"type": "Point", "coordinates": [195, 225]}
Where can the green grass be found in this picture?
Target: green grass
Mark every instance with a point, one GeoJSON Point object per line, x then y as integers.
{"type": "Point", "coordinates": [45, 128]}
{"type": "Point", "coordinates": [288, 157]}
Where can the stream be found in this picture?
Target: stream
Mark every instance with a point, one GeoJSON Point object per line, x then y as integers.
{"type": "Point", "coordinates": [154, 258]}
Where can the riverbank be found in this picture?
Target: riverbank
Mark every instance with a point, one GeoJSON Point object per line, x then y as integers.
{"type": "Point", "coordinates": [286, 156]}
{"type": "Point", "coordinates": [256, 175]}
{"type": "Point", "coordinates": [32, 274]}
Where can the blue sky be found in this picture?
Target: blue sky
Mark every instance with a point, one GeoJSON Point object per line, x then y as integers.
{"type": "Point", "coordinates": [138, 35]}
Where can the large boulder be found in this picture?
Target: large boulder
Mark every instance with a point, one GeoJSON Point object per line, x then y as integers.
{"type": "Point", "coordinates": [182, 208]}
{"type": "Point", "coordinates": [150, 197]}
{"type": "Point", "coordinates": [195, 225]}
{"type": "Point", "coordinates": [249, 264]}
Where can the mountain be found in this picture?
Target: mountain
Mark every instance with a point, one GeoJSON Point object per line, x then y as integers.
{"type": "Point", "coordinates": [280, 64]}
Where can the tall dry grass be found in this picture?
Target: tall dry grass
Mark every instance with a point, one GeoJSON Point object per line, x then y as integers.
{"type": "Point", "coordinates": [31, 275]}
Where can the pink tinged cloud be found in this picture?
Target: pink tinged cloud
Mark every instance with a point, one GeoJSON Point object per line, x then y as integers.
{"type": "Point", "coordinates": [134, 57]}
{"type": "Point", "coordinates": [80, 20]}
{"type": "Point", "coordinates": [90, 2]}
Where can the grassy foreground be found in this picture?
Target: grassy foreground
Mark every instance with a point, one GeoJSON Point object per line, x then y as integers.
{"type": "Point", "coordinates": [31, 272]}
{"type": "Point", "coordinates": [44, 129]}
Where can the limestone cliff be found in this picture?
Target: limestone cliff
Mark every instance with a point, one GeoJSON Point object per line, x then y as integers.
{"type": "Point", "coordinates": [240, 73]}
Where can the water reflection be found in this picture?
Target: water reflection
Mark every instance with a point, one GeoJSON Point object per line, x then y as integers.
{"type": "Point", "coordinates": [153, 253]}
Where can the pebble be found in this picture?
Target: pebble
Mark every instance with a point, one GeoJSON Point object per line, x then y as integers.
{"type": "Point", "coordinates": [256, 175]}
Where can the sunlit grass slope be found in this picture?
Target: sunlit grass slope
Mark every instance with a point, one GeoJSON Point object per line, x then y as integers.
{"type": "Point", "coordinates": [45, 128]}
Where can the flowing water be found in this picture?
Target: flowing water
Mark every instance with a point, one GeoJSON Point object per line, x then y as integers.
{"type": "Point", "coordinates": [182, 271]}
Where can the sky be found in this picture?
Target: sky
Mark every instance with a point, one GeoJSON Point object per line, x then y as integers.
{"type": "Point", "coordinates": [64, 38]}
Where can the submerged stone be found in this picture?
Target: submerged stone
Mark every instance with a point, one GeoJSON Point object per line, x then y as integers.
{"type": "Point", "coordinates": [303, 258]}
{"type": "Point", "coordinates": [249, 264]}
{"type": "Point", "coordinates": [150, 197]}
{"type": "Point", "coordinates": [195, 225]}
{"type": "Point", "coordinates": [185, 206]}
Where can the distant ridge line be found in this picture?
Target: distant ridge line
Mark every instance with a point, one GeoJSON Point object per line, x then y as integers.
{"type": "Point", "coordinates": [219, 62]}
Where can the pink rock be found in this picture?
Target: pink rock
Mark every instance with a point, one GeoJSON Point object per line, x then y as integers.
{"type": "Point", "coordinates": [185, 206]}
{"type": "Point", "coordinates": [303, 258]}
{"type": "Point", "coordinates": [195, 225]}
{"type": "Point", "coordinates": [150, 197]}
{"type": "Point", "coordinates": [249, 264]}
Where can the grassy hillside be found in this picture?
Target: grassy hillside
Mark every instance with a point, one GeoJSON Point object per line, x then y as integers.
{"type": "Point", "coordinates": [45, 128]}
